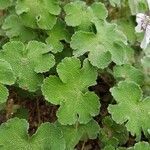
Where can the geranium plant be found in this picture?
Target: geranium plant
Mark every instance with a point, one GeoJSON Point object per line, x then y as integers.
{"type": "Point", "coordinates": [75, 74]}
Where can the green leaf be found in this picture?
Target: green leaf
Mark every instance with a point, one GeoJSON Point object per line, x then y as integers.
{"type": "Point", "coordinates": [137, 6]}
{"type": "Point", "coordinates": [6, 77]}
{"type": "Point", "coordinates": [140, 146]}
{"type": "Point", "coordinates": [15, 29]}
{"type": "Point", "coordinates": [78, 8]}
{"type": "Point", "coordinates": [5, 3]}
{"type": "Point", "coordinates": [127, 26]}
{"type": "Point", "coordinates": [115, 2]}
{"type": "Point", "coordinates": [129, 73]}
{"type": "Point", "coordinates": [3, 94]}
{"type": "Point", "coordinates": [56, 35]}
{"type": "Point", "coordinates": [146, 63]}
{"type": "Point", "coordinates": [108, 147]}
{"type": "Point", "coordinates": [103, 47]}
{"type": "Point", "coordinates": [27, 62]}
{"type": "Point", "coordinates": [37, 13]}
{"type": "Point", "coordinates": [112, 133]}
{"type": "Point", "coordinates": [70, 91]}
{"type": "Point", "coordinates": [15, 136]}
{"type": "Point", "coordinates": [73, 134]}
{"type": "Point", "coordinates": [131, 108]}
{"type": "Point", "coordinates": [6, 73]}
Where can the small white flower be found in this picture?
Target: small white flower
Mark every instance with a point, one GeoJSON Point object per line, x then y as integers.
{"type": "Point", "coordinates": [143, 25]}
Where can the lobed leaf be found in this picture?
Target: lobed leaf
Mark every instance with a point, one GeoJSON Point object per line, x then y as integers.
{"type": "Point", "coordinates": [103, 47]}
{"type": "Point", "coordinates": [47, 137]}
{"type": "Point", "coordinates": [37, 13]}
{"type": "Point", "coordinates": [27, 62]}
{"type": "Point", "coordinates": [7, 77]}
{"type": "Point", "coordinates": [70, 91]}
{"type": "Point", "coordinates": [16, 30]}
{"type": "Point", "coordinates": [129, 73]}
{"type": "Point", "coordinates": [73, 134]}
{"type": "Point", "coordinates": [87, 13]}
{"type": "Point", "coordinates": [131, 108]}
{"type": "Point", "coordinates": [56, 35]}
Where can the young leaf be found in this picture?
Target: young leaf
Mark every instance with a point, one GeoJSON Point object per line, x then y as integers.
{"type": "Point", "coordinates": [78, 8]}
{"type": "Point", "coordinates": [131, 108]}
{"type": "Point", "coordinates": [15, 136]}
{"type": "Point", "coordinates": [58, 33]}
{"type": "Point", "coordinates": [70, 91]}
{"type": "Point", "coordinates": [73, 135]}
{"type": "Point", "coordinates": [103, 47]}
{"type": "Point", "coordinates": [28, 61]}
{"type": "Point", "coordinates": [15, 29]}
{"type": "Point", "coordinates": [129, 73]}
{"type": "Point", "coordinates": [37, 13]}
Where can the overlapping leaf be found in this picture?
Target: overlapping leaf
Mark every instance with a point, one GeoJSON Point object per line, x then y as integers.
{"type": "Point", "coordinates": [107, 45]}
{"type": "Point", "coordinates": [27, 62]}
{"type": "Point", "coordinates": [79, 14]}
{"type": "Point", "coordinates": [15, 136]}
{"type": "Point", "coordinates": [131, 108]}
{"type": "Point", "coordinates": [129, 73]}
{"type": "Point", "coordinates": [16, 30]}
{"type": "Point", "coordinates": [38, 14]}
{"type": "Point", "coordinates": [73, 134]}
{"type": "Point", "coordinates": [70, 91]}
{"type": "Point", "coordinates": [112, 133]}
{"type": "Point", "coordinates": [6, 78]}
{"type": "Point", "coordinates": [56, 35]}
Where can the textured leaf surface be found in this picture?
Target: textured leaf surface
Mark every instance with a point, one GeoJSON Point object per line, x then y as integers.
{"type": "Point", "coordinates": [37, 13]}
{"type": "Point", "coordinates": [129, 73]}
{"type": "Point", "coordinates": [6, 73]}
{"type": "Point", "coordinates": [15, 29]}
{"type": "Point", "coordinates": [131, 107]}
{"type": "Point", "coordinates": [15, 136]}
{"type": "Point", "coordinates": [28, 62]}
{"type": "Point", "coordinates": [103, 47]}
{"type": "Point", "coordinates": [3, 94]}
{"type": "Point", "coordinates": [73, 134]}
{"type": "Point", "coordinates": [70, 91]}
{"type": "Point", "coordinates": [78, 8]}
{"type": "Point", "coordinates": [56, 35]}
{"type": "Point", "coordinates": [7, 78]}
